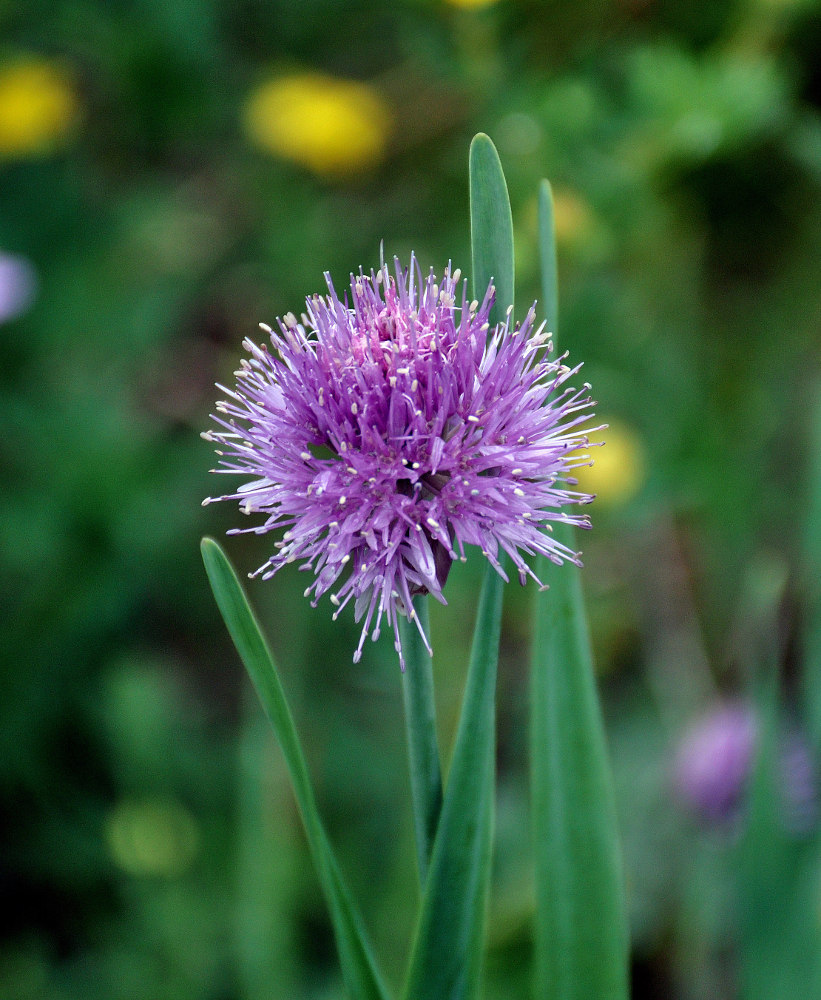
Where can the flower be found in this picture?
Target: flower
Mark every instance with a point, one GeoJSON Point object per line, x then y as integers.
{"type": "Point", "coordinates": [18, 286]}
{"type": "Point", "coordinates": [472, 4]}
{"type": "Point", "coordinates": [386, 432]}
{"type": "Point", "coordinates": [618, 473]}
{"type": "Point", "coordinates": [330, 125]}
{"type": "Point", "coordinates": [573, 217]}
{"type": "Point", "coordinates": [154, 836]}
{"type": "Point", "coordinates": [715, 760]}
{"type": "Point", "coordinates": [38, 107]}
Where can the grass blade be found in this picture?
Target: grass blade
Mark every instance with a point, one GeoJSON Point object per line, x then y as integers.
{"type": "Point", "coordinates": [446, 960]}
{"type": "Point", "coordinates": [777, 867]}
{"type": "Point", "coordinates": [547, 256]}
{"type": "Point", "coordinates": [581, 938]}
{"type": "Point", "coordinates": [777, 856]}
{"type": "Point", "coordinates": [358, 968]}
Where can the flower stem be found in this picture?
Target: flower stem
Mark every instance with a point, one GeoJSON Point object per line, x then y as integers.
{"type": "Point", "coordinates": [423, 745]}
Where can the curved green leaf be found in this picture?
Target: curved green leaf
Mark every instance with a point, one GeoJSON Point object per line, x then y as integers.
{"type": "Point", "coordinates": [358, 967]}
{"type": "Point", "coordinates": [446, 960]}
{"type": "Point", "coordinates": [491, 226]}
{"type": "Point", "coordinates": [581, 937]}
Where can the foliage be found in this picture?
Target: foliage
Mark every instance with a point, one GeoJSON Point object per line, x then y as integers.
{"type": "Point", "coordinates": [684, 145]}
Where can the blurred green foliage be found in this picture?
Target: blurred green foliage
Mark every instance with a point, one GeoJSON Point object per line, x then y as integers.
{"type": "Point", "coordinates": [151, 844]}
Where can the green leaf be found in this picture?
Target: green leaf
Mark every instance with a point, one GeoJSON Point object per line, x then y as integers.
{"type": "Point", "coordinates": [580, 932]}
{"type": "Point", "coordinates": [264, 859]}
{"type": "Point", "coordinates": [547, 255]}
{"type": "Point", "coordinates": [777, 856]}
{"type": "Point", "coordinates": [423, 745]}
{"type": "Point", "coordinates": [777, 869]}
{"type": "Point", "coordinates": [358, 968]}
{"type": "Point", "coordinates": [491, 226]}
{"type": "Point", "coordinates": [446, 960]}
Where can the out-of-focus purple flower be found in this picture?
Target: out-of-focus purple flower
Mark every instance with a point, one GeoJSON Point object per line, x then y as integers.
{"type": "Point", "coordinates": [715, 760]}
{"type": "Point", "coordinates": [386, 432]}
{"type": "Point", "coordinates": [18, 285]}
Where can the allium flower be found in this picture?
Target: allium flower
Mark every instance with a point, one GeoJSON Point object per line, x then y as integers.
{"type": "Point", "coordinates": [715, 760]}
{"type": "Point", "coordinates": [388, 431]}
{"type": "Point", "coordinates": [18, 286]}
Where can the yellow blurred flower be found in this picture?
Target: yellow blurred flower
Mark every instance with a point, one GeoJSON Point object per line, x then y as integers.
{"type": "Point", "coordinates": [618, 470]}
{"type": "Point", "coordinates": [330, 125]}
{"type": "Point", "coordinates": [38, 107]}
{"type": "Point", "coordinates": [786, 5]}
{"type": "Point", "coordinates": [572, 216]}
{"type": "Point", "coordinates": [471, 4]}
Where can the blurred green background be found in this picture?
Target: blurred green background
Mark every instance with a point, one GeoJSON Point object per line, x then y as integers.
{"type": "Point", "coordinates": [172, 173]}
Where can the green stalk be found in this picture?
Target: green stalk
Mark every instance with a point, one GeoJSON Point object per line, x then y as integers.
{"type": "Point", "coordinates": [446, 959]}
{"type": "Point", "coordinates": [423, 745]}
{"type": "Point", "coordinates": [581, 937]}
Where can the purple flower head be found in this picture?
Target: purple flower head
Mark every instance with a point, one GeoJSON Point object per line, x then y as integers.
{"type": "Point", "coordinates": [18, 285]}
{"type": "Point", "coordinates": [715, 762]}
{"type": "Point", "coordinates": [386, 432]}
